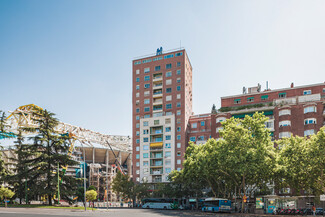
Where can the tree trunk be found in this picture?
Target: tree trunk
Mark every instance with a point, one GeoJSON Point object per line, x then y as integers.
{"type": "Point", "coordinates": [244, 191]}
{"type": "Point", "coordinates": [5, 202]}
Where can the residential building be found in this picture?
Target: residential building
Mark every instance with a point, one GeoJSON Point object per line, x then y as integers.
{"type": "Point", "coordinates": [162, 105]}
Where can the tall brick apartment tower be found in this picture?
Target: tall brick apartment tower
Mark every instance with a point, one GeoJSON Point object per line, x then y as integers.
{"type": "Point", "coordinates": [161, 107]}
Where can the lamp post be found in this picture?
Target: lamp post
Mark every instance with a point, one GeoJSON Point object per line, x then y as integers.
{"type": "Point", "coordinates": [58, 184]}
{"type": "Point", "coordinates": [84, 171]}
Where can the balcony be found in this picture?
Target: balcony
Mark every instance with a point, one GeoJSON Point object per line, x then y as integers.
{"type": "Point", "coordinates": [156, 155]}
{"type": "Point", "coordinates": [157, 78]}
{"type": "Point", "coordinates": [156, 140]}
{"type": "Point", "coordinates": [285, 101]}
{"type": "Point", "coordinates": [309, 98]}
{"type": "Point", "coordinates": [157, 108]}
{"type": "Point", "coordinates": [157, 86]}
{"type": "Point", "coordinates": [156, 164]}
{"type": "Point", "coordinates": [157, 101]}
{"type": "Point", "coordinates": [156, 149]}
{"type": "Point", "coordinates": [156, 172]}
{"type": "Point", "coordinates": [157, 94]}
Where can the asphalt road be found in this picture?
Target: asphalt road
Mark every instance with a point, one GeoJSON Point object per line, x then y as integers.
{"type": "Point", "coordinates": [112, 212]}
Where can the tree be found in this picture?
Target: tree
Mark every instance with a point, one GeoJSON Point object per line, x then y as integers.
{"type": "Point", "coordinates": [49, 150]}
{"type": "Point", "coordinates": [3, 134]}
{"type": "Point", "coordinates": [92, 188]}
{"type": "Point", "coordinates": [125, 186]}
{"type": "Point", "coordinates": [6, 193]}
{"type": "Point", "coordinates": [248, 152]}
{"type": "Point", "coordinates": [80, 194]}
{"type": "Point", "coordinates": [20, 178]}
{"type": "Point", "coordinates": [91, 195]}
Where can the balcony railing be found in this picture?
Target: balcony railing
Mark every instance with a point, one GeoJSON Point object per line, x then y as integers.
{"type": "Point", "coordinates": [157, 172]}
{"type": "Point", "coordinates": [157, 140]}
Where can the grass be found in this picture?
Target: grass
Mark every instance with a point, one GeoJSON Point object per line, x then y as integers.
{"type": "Point", "coordinates": [43, 206]}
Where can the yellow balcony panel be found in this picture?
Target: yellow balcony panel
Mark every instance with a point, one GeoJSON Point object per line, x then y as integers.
{"type": "Point", "coordinates": [156, 144]}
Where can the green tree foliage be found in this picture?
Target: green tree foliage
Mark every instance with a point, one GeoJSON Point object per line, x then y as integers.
{"type": "Point", "coordinates": [49, 149]}
{"type": "Point", "coordinates": [20, 177]}
{"type": "Point", "coordinates": [91, 195]}
{"type": "Point", "coordinates": [6, 193]}
{"type": "Point", "coordinates": [3, 125]}
{"type": "Point", "coordinates": [92, 188]}
{"type": "Point", "coordinates": [128, 189]}
{"type": "Point", "coordinates": [80, 194]}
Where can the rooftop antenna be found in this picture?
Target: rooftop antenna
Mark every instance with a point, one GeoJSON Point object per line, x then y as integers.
{"type": "Point", "coordinates": [267, 85]}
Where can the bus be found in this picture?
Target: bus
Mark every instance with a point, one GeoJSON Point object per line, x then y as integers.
{"type": "Point", "coordinates": [213, 204]}
{"type": "Point", "coordinates": [158, 203]}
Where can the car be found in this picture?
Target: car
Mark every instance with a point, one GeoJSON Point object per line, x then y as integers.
{"type": "Point", "coordinates": [319, 211]}
{"type": "Point", "coordinates": [308, 211]}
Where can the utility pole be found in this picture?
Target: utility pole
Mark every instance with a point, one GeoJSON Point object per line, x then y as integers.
{"type": "Point", "coordinates": [84, 177]}
{"type": "Point", "coordinates": [58, 185]}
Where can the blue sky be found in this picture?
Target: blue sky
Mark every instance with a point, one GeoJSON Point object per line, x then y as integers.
{"type": "Point", "coordinates": [74, 57]}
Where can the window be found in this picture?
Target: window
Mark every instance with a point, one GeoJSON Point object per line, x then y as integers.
{"type": "Point", "coordinates": [146, 93]}
{"type": "Point", "coordinates": [178, 137]}
{"type": "Point", "coordinates": [167, 129]}
{"type": "Point", "coordinates": [167, 121]}
{"type": "Point", "coordinates": [168, 137]}
{"type": "Point", "coordinates": [178, 80]}
{"type": "Point", "coordinates": [284, 135]}
{"type": "Point", "coordinates": [194, 125]}
{"type": "Point", "coordinates": [146, 101]}
{"type": "Point", "coordinates": [168, 81]}
{"type": "Point", "coordinates": [156, 122]}
{"type": "Point", "coordinates": [265, 97]}
{"type": "Point", "coordinates": [237, 101]}
{"type": "Point", "coordinates": [178, 112]}
{"type": "Point", "coordinates": [168, 106]}
{"type": "Point", "coordinates": [145, 123]}
{"type": "Point", "coordinates": [146, 109]}
{"type": "Point", "coordinates": [178, 129]}
{"type": "Point", "coordinates": [309, 109]}
{"type": "Point", "coordinates": [137, 80]}
{"type": "Point", "coordinates": [168, 74]}
{"type": "Point", "coordinates": [178, 96]}
{"type": "Point", "coordinates": [137, 110]}
{"type": "Point", "coordinates": [137, 117]}
{"type": "Point", "coordinates": [147, 78]}
{"type": "Point", "coordinates": [146, 116]}
{"type": "Point", "coordinates": [178, 154]}
{"type": "Point", "coordinates": [137, 148]}
{"type": "Point", "coordinates": [138, 133]}
{"type": "Point", "coordinates": [168, 90]}
{"type": "Point", "coordinates": [309, 132]}
{"type": "Point", "coordinates": [179, 169]}
{"type": "Point", "coordinates": [200, 138]}
{"type": "Point", "coordinates": [284, 123]}
{"type": "Point", "coordinates": [178, 105]}
{"type": "Point", "coordinates": [310, 121]}
{"type": "Point", "coordinates": [168, 162]}
{"type": "Point", "coordinates": [284, 112]}
{"type": "Point", "coordinates": [168, 66]}
{"type": "Point", "coordinates": [307, 92]}
{"type": "Point", "coordinates": [167, 145]}
{"type": "Point", "coordinates": [145, 170]}
{"type": "Point", "coordinates": [178, 88]}
{"type": "Point", "coordinates": [167, 154]}
{"type": "Point", "coordinates": [145, 155]}
{"type": "Point", "coordinates": [137, 164]}
{"type": "Point", "coordinates": [168, 56]}
{"type": "Point", "coordinates": [168, 98]}
{"type": "Point", "coordinates": [220, 119]}
{"type": "Point", "coordinates": [202, 123]}
{"type": "Point", "coordinates": [145, 132]}
{"type": "Point", "coordinates": [282, 95]}
{"type": "Point", "coordinates": [137, 141]}
{"type": "Point", "coordinates": [178, 64]}
{"type": "Point", "coordinates": [146, 147]}
{"type": "Point", "coordinates": [145, 139]}
{"type": "Point", "coordinates": [178, 72]}
{"type": "Point", "coordinates": [250, 99]}
{"type": "Point", "coordinates": [137, 71]}
{"type": "Point", "coordinates": [137, 179]}
{"type": "Point", "coordinates": [157, 68]}
{"type": "Point", "coordinates": [178, 161]}
{"type": "Point", "coordinates": [192, 138]}
{"type": "Point", "coordinates": [137, 125]}
{"type": "Point", "coordinates": [178, 145]}
{"type": "Point", "coordinates": [146, 86]}
{"type": "Point", "coordinates": [323, 90]}
{"type": "Point", "coordinates": [168, 170]}
{"type": "Point", "coordinates": [178, 54]}
{"type": "Point", "coordinates": [145, 163]}
{"type": "Point", "coordinates": [137, 156]}
{"type": "Point", "coordinates": [178, 120]}
{"type": "Point", "coordinates": [137, 87]}
{"type": "Point", "coordinates": [137, 102]}
{"type": "Point", "coordinates": [137, 171]}
{"type": "Point", "coordinates": [146, 70]}
{"type": "Point", "coordinates": [137, 94]}
{"type": "Point", "coordinates": [169, 113]}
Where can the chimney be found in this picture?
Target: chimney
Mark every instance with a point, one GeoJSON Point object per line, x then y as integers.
{"type": "Point", "coordinates": [292, 85]}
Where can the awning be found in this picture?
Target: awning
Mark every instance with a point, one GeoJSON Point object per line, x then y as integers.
{"type": "Point", "coordinates": [156, 144]}
{"type": "Point", "coordinates": [237, 99]}
{"type": "Point", "coordinates": [250, 98]}
{"type": "Point", "coordinates": [265, 97]}
{"type": "Point", "coordinates": [270, 112]}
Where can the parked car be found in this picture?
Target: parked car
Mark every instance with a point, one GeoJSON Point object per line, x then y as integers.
{"type": "Point", "coordinates": [308, 211]}
{"type": "Point", "coordinates": [319, 211]}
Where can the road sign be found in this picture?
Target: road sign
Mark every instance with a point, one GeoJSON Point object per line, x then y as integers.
{"type": "Point", "coordinates": [322, 197]}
